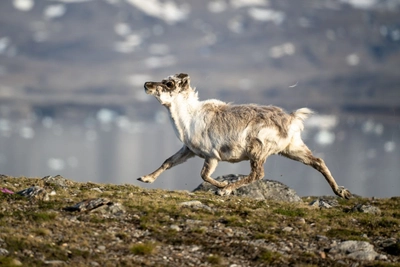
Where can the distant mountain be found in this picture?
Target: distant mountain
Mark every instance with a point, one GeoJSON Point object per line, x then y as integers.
{"type": "Point", "coordinates": [334, 54]}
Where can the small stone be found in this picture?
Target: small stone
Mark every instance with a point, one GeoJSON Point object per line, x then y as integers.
{"type": "Point", "coordinates": [363, 255]}
{"type": "Point", "coordinates": [28, 252]}
{"type": "Point", "coordinates": [88, 204]}
{"type": "Point", "coordinates": [175, 227]}
{"type": "Point", "coordinates": [323, 203]}
{"type": "Point", "coordinates": [192, 203]}
{"type": "Point", "coordinates": [321, 237]}
{"type": "Point", "coordinates": [16, 262]}
{"type": "Point", "coordinates": [3, 252]}
{"type": "Point", "coordinates": [301, 221]}
{"type": "Point", "coordinates": [381, 257]}
{"type": "Point", "coordinates": [97, 189]}
{"type": "Point", "coordinates": [195, 204]}
{"type": "Point", "coordinates": [115, 209]}
{"type": "Point", "coordinates": [95, 264]}
{"type": "Point", "coordinates": [322, 254]}
{"type": "Point", "coordinates": [366, 209]}
{"type": "Point", "coordinates": [287, 229]}
{"type": "Point", "coordinates": [194, 249]}
{"type": "Point", "coordinates": [101, 247]}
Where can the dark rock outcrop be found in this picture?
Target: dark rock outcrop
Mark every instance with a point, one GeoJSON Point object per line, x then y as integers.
{"type": "Point", "coordinates": [262, 189]}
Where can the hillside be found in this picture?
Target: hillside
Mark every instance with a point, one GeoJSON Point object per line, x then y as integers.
{"type": "Point", "coordinates": [137, 227]}
{"type": "Point", "coordinates": [341, 55]}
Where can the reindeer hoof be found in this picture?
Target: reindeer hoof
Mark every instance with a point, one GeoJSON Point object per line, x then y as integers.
{"type": "Point", "coordinates": [223, 192]}
{"type": "Point", "coordinates": [223, 184]}
{"type": "Point", "coordinates": [343, 192]}
{"type": "Point", "coordinates": [146, 179]}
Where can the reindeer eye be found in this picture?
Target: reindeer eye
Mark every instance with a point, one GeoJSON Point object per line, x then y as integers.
{"type": "Point", "coordinates": [169, 84]}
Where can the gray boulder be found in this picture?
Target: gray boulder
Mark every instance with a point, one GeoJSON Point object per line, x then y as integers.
{"type": "Point", "coordinates": [262, 189]}
{"type": "Point", "coordinates": [366, 209]}
{"type": "Point", "coordinates": [356, 250]}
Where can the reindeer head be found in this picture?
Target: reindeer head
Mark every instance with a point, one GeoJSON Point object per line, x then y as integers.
{"type": "Point", "coordinates": [169, 88]}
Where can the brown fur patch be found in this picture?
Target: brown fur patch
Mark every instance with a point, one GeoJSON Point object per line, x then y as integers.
{"type": "Point", "coordinates": [231, 118]}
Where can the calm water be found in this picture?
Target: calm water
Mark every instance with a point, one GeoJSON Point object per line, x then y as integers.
{"type": "Point", "coordinates": [363, 154]}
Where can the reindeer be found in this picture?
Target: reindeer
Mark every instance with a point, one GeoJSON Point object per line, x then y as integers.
{"type": "Point", "coordinates": [219, 131]}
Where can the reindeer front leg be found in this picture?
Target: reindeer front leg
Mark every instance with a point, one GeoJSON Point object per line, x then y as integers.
{"type": "Point", "coordinates": [208, 168]}
{"type": "Point", "coordinates": [179, 157]}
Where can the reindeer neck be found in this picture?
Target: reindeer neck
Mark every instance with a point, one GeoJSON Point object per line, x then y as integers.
{"type": "Point", "coordinates": [182, 112]}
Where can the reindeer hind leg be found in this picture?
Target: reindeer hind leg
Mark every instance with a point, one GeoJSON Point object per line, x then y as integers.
{"type": "Point", "coordinates": [302, 153]}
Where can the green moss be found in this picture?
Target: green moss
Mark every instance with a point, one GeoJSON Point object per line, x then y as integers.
{"type": "Point", "coordinates": [345, 234]}
{"type": "Point", "coordinates": [97, 219]}
{"type": "Point", "coordinates": [78, 253]}
{"type": "Point", "coordinates": [387, 222]}
{"type": "Point", "coordinates": [16, 243]}
{"type": "Point", "coordinates": [232, 220]}
{"type": "Point", "coordinates": [267, 236]}
{"type": "Point", "coordinates": [291, 212]}
{"type": "Point", "coordinates": [8, 262]}
{"type": "Point", "coordinates": [49, 205]}
{"type": "Point", "coordinates": [42, 216]}
{"type": "Point", "coordinates": [42, 231]}
{"type": "Point", "coordinates": [214, 259]}
{"type": "Point", "coordinates": [269, 257]}
{"type": "Point", "coordinates": [198, 230]}
{"type": "Point", "coordinates": [143, 249]}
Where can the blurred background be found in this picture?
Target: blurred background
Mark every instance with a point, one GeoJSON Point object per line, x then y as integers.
{"type": "Point", "coordinates": [72, 74]}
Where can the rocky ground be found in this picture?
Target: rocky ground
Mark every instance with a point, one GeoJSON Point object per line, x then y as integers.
{"type": "Point", "coordinates": [55, 221]}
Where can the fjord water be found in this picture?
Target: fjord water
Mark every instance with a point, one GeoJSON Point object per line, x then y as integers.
{"type": "Point", "coordinates": [362, 153]}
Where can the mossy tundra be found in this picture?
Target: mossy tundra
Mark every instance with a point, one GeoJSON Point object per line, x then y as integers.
{"type": "Point", "coordinates": [152, 228]}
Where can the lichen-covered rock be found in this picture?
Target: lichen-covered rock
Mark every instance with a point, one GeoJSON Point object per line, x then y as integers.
{"type": "Point", "coordinates": [35, 192]}
{"type": "Point", "coordinates": [3, 252]}
{"type": "Point", "coordinates": [366, 209]}
{"type": "Point", "coordinates": [195, 204]}
{"type": "Point", "coordinates": [356, 250]}
{"type": "Point", "coordinates": [56, 181]}
{"type": "Point", "coordinates": [353, 246]}
{"type": "Point", "coordinates": [89, 204]}
{"type": "Point", "coordinates": [262, 189]}
{"type": "Point", "coordinates": [324, 203]}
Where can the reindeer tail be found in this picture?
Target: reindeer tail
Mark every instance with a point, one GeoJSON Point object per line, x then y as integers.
{"type": "Point", "coordinates": [300, 115]}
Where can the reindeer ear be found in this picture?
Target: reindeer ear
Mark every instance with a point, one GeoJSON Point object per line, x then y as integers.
{"type": "Point", "coordinates": [185, 80]}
